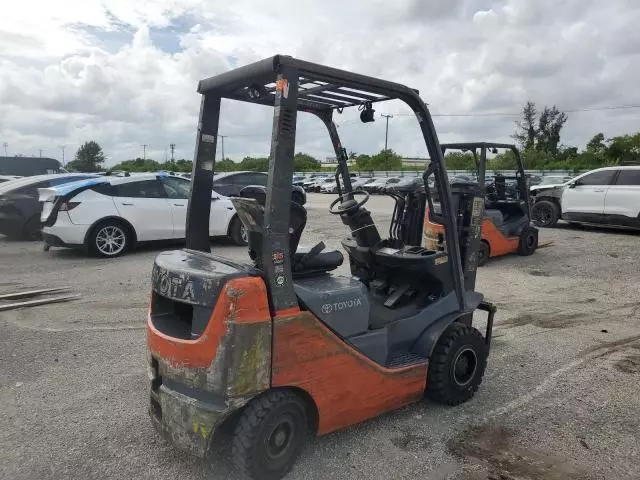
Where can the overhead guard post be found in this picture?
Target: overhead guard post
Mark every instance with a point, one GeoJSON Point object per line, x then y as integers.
{"type": "Point", "coordinates": [199, 207]}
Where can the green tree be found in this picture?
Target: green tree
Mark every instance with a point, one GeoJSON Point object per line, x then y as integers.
{"type": "Point", "coordinates": [303, 162]}
{"type": "Point", "coordinates": [260, 164]}
{"type": "Point", "coordinates": [138, 165]}
{"type": "Point", "coordinates": [623, 149]}
{"type": "Point", "coordinates": [226, 165]}
{"type": "Point", "coordinates": [541, 131]}
{"type": "Point", "coordinates": [596, 144]}
{"type": "Point", "coordinates": [363, 162]}
{"type": "Point", "coordinates": [460, 161]}
{"type": "Point", "coordinates": [177, 166]}
{"type": "Point", "coordinates": [89, 158]}
{"type": "Point", "coordinates": [550, 123]}
{"type": "Point", "coordinates": [386, 160]}
{"type": "Point", "coordinates": [526, 131]}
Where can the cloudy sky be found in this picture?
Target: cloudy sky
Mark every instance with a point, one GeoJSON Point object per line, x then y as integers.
{"type": "Point", "coordinates": [125, 73]}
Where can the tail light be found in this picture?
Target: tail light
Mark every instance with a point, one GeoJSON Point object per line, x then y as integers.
{"type": "Point", "coordinates": [66, 206]}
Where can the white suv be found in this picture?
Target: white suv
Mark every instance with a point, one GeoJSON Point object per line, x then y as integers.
{"type": "Point", "coordinates": [108, 215]}
{"type": "Point", "coordinates": [606, 196]}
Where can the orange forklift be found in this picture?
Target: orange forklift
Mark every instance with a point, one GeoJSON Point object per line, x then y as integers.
{"type": "Point", "coordinates": [279, 348]}
{"type": "Point", "coordinates": [507, 226]}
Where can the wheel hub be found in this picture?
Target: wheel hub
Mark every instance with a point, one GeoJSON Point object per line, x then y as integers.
{"type": "Point", "coordinates": [280, 438]}
{"type": "Point", "coordinates": [544, 214]}
{"type": "Point", "coordinates": [464, 366]}
{"type": "Point", "coordinates": [110, 240]}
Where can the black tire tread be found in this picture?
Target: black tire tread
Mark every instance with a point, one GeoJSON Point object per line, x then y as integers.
{"type": "Point", "coordinates": [437, 375]}
{"type": "Point", "coordinates": [522, 248]}
{"type": "Point", "coordinates": [248, 429]}
{"type": "Point", "coordinates": [235, 232]}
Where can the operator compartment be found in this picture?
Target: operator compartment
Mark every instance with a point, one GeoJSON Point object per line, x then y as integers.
{"type": "Point", "coordinates": [185, 287]}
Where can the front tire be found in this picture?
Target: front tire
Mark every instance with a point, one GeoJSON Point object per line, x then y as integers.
{"type": "Point", "coordinates": [528, 241]}
{"type": "Point", "coordinates": [297, 197]}
{"type": "Point", "coordinates": [238, 232]}
{"type": "Point", "coordinates": [545, 213]}
{"type": "Point", "coordinates": [110, 238]}
{"type": "Point", "coordinates": [270, 435]}
{"type": "Point", "coordinates": [457, 365]}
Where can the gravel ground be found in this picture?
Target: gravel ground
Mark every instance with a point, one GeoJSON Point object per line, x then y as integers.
{"type": "Point", "coordinates": [560, 397]}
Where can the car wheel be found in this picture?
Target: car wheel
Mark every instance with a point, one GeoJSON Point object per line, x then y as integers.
{"type": "Point", "coordinates": [270, 435]}
{"type": "Point", "coordinates": [545, 213]}
{"type": "Point", "coordinates": [483, 253]}
{"type": "Point", "coordinates": [110, 238]}
{"type": "Point", "coordinates": [457, 365]}
{"type": "Point", "coordinates": [238, 232]}
{"type": "Point", "coordinates": [32, 229]}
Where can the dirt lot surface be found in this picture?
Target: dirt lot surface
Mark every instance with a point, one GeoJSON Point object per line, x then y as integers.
{"type": "Point", "coordinates": [559, 401]}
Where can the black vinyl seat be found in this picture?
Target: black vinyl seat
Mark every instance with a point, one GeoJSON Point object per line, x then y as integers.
{"type": "Point", "coordinates": [309, 261]}
{"type": "Point", "coordinates": [305, 261]}
{"type": "Point", "coordinates": [495, 215]}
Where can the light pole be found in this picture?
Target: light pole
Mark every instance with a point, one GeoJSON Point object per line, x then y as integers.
{"type": "Point", "coordinates": [386, 133]}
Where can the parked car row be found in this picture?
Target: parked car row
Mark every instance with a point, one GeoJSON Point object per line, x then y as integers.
{"type": "Point", "coordinates": [108, 214]}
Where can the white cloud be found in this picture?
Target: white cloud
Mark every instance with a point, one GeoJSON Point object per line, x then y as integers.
{"type": "Point", "coordinates": [61, 84]}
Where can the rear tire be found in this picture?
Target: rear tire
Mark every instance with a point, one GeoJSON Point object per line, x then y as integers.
{"type": "Point", "coordinates": [545, 213]}
{"type": "Point", "coordinates": [483, 253]}
{"type": "Point", "coordinates": [270, 435]}
{"type": "Point", "coordinates": [238, 232]}
{"type": "Point", "coordinates": [457, 365]}
{"type": "Point", "coordinates": [109, 238]}
{"type": "Point", "coordinates": [528, 241]}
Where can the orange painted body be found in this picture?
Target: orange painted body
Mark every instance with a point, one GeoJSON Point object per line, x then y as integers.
{"type": "Point", "coordinates": [346, 386]}
{"type": "Point", "coordinates": [249, 307]}
{"type": "Point", "coordinates": [498, 244]}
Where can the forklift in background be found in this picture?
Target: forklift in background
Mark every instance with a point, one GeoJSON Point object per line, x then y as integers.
{"type": "Point", "coordinates": [507, 226]}
{"type": "Point", "coordinates": [279, 348]}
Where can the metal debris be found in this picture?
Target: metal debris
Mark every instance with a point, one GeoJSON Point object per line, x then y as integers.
{"type": "Point", "coordinates": [32, 293]}
{"type": "Point", "coordinates": [37, 301]}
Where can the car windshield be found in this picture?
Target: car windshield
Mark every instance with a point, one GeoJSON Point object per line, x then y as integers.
{"type": "Point", "coordinates": [552, 180]}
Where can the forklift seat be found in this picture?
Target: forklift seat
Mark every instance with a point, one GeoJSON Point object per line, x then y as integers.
{"type": "Point", "coordinates": [305, 261]}
{"type": "Point", "coordinates": [495, 216]}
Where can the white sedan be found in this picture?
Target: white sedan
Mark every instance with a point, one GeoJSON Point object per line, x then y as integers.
{"type": "Point", "coordinates": [109, 215]}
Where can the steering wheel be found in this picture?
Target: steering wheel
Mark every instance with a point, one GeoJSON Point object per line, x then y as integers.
{"type": "Point", "coordinates": [350, 205]}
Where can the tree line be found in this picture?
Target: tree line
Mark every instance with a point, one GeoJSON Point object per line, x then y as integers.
{"type": "Point", "coordinates": [537, 134]}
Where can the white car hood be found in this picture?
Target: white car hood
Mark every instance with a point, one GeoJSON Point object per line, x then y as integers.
{"type": "Point", "coordinates": [544, 187]}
